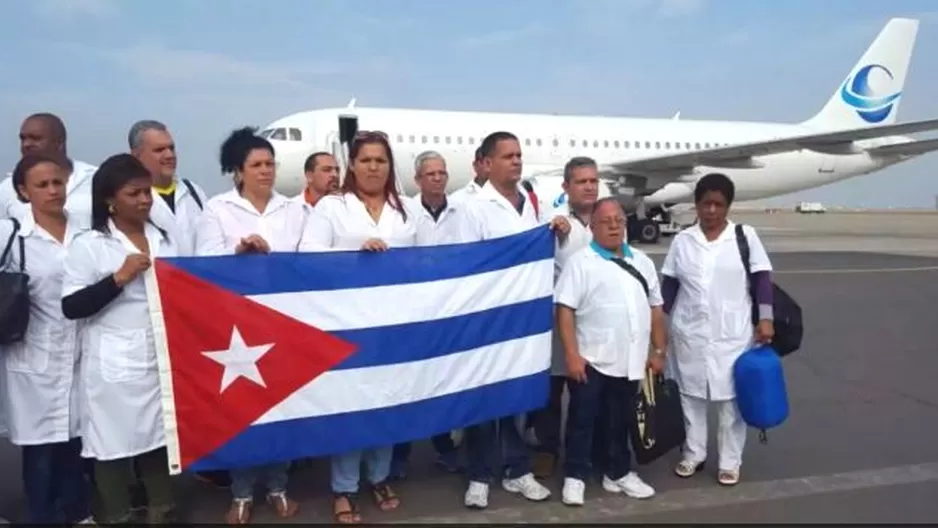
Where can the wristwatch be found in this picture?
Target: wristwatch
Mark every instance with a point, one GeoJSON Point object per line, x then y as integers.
{"type": "Point", "coordinates": [658, 352]}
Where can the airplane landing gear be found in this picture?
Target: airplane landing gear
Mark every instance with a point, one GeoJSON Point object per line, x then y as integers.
{"type": "Point", "coordinates": [643, 230]}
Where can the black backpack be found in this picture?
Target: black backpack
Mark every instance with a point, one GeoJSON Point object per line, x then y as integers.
{"type": "Point", "coordinates": [14, 292]}
{"type": "Point", "coordinates": [786, 311]}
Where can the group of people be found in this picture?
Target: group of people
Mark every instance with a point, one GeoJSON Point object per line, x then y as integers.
{"type": "Point", "coordinates": [81, 392]}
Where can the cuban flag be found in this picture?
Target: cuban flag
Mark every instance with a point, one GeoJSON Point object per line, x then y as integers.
{"type": "Point", "coordinates": [267, 358]}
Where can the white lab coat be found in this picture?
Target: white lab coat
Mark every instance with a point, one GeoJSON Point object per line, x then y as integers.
{"type": "Point", "coordinates": [710, 320]}
{"type": "Point", "coordinates": [77, 198]}
{"type": "Point", "coordinates": [445, 229]}
{"type": "Point", "coordinates": [180, 221]}
{"type": "Point", "coordinates": [286, 225]}
{"type": "Point", "coordinates": [41, 373]}
{"type": "Point", "coordinates": [121, 399]}
{"type": "Point", "coordinates": [352, 225]}
{"type": "Point", "coordinates": [580, 237]}
{"type": "Point", "coordinates": [613, 314]}
{"type": "Point", "coordinates": [469, 191]}
{"type": "Point", "coordinates": [490, 215]}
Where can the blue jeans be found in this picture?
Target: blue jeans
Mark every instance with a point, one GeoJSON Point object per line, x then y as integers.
{"type": "Point", "coordinates": [600, 394]}
{"type": "Point", "coordinates": [485, 440]}
{"type": "Point", "coordinates": [57, 489]}
{"type": "Point", "coordinates": [346, 468]}
{"type": "Point", "coordinates": [274, 476]}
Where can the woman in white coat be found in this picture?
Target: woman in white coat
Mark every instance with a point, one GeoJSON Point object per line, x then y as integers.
{"type": "Point", "coordinates": [104, 287]}
{"type": "Point", "coordinates": [254, 218]}
{"type": "Point", "coordinates": [706, 293]}
{"type": "Point", "coordinates": [367, 214]}
{"type": "Point", "coordinates": [40, 378]}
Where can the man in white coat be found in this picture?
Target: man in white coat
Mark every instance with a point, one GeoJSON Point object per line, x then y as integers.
{"type": "Point", "coordinates": [45, 133]}
{"type": "Point", "coordinates": [475, 185]}
{"type": "Point", "coordinates": [181, 200]}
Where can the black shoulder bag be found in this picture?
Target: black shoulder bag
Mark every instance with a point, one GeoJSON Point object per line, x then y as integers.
{"type": "Point", "coordinates": [786, 312]}
{"type": "Point", "coordinates": [195, 195]}
{"type": "Point", "coordinates": [14, 292]}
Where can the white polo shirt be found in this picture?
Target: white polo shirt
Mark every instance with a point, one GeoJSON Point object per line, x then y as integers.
{"type": "Point", "coordinates": [613, 315]}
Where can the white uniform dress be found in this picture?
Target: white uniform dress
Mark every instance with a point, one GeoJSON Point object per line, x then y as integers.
{"type": "Point", "coordinates": [77, 198]}
{"type": "Point", "coordinates": [285, 224]}
{"type": "Point", "coordinates": [181, 220]}
{"type": "Point", "coordinates": [710, 329]}
{"type": "Point", "coordinates": [121, 399]}
{"type": "Point", "coordinates": [41, 372]}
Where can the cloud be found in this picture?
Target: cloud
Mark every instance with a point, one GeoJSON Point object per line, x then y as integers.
{"type": "Point", "coordinates": [156, 64]}
{"type": "Point", "coordinates": [499, 37]}
{"type": "Point", "coordinates": [68, 9]}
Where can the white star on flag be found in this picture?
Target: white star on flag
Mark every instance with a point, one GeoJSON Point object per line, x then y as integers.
{"type": "Point", "coordinates": [239, 360]}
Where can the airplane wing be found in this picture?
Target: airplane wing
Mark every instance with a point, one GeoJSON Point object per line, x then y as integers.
{"type": "Point", "coordinates": [741, 155]}
{"type": "Point", "coordinates": [912, 148]}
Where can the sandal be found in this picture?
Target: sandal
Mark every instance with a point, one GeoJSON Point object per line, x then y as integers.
{"type": "Point", "coordinates": [687, 469]}
{"type": "Point", "coordinates": [240, 511]}
{"type": "Point", "coordinates": [385, 497]}
{"type": "Point", "coordinates": [285, 506]}
{"type": "Point", "coordinates": [728, 478]}
{"type": "Point", "coordinates": [345, 515]}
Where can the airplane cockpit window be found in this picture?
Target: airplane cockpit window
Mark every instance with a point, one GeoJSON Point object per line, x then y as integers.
{"type": "Point", "coordinates": [295, 134]}
{"type": "Point", "coordinates": [279, 134]}
{"type": "Point", "coordinates": [265, 133]}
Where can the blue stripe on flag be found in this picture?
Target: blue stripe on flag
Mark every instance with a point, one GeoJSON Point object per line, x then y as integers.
{"type": "Point", "coordinates": [345, 432]}
{"type": "Point", "coordinates": [388, 345]}
{"type": "Point", "coordinates": [293, 272]}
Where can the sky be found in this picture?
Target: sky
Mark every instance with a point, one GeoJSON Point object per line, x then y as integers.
{"type": "Point", "coordinates": [205, 67]}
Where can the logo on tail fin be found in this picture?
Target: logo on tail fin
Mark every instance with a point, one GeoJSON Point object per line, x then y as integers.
{"type": "Point", "coordinates": [870, 106]}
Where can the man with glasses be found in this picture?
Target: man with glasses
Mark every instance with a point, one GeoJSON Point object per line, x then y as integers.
{"type": "Point", "coordinates": [608, 308]}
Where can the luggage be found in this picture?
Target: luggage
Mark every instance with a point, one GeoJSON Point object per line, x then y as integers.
{"type": "Point", "coordinates": [760, 388]}
{"type": "Point", "coordinates": [14, 291]}
{"type": "Point", "coordinates": [789, 330]}
{"type": "Point", "coordinates": [658, 424]}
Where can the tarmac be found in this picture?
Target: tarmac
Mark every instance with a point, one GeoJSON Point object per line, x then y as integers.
{"type": "Point", "coordinates": [860, 445]}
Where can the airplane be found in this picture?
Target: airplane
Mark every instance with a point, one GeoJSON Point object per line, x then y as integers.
{"type": "Point", "coordinates": [650, 164]}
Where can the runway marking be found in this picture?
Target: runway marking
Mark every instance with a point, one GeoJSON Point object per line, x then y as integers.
{"type": "Point", "coordinates": [603, 506]}
{"type": "Point", "coordinates": [833, 271]}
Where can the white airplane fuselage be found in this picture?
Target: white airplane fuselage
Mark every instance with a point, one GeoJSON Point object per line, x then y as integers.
{"type": "Point", "coordinates": [549, 141]}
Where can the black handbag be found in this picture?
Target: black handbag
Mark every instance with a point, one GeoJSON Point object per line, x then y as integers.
{"type": "Point", "coordinates": [14, 292]}
{"type": "Point", "coordinates": [658, 424]}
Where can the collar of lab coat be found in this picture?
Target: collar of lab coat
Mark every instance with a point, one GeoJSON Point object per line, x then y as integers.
{"type": "Point", "coordinates": [153, 234]}
{"type": "Point", "coordinates": [609, 255]}
{"type": "Point", "coordinates": [277, 201]}
{"type": "Point", "coordinates": [488, 192]}
{"type": "Point", "coordinates": [81, 171]}
{"type": "Point", "coordinates": [29, 226]}
{"type": "Point", "coordinates": [729, 233]}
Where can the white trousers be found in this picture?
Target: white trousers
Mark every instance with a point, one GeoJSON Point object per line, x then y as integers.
{"type": "Point", "coordinates": [731, 432]}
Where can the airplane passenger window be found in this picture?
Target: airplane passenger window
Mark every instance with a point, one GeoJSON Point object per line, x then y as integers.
{"type": "Point", "coordinates": [595, 144]}
{"type": "Point", "coordinates": [423, 139]}
{"type": "Point", "coordinates": [539, 142]}
{"type": "Point", "coordinates": [411, 138]}
{"type": "Point", "coordinates": [472, 140]}
{"type": "Point", "coordinates": [400, 138]}
{"type": "Point", "coordinates": [697, 146]}
{"type": "Point", "coordinates": [586, 143]}
{"type": "Point", "coordinates": [279, 134]}
{"type": "Point", "coordinates": [648, 144]}
{"type": "Point", "coordinates": [657, 144]}
{"type": "Point", "coordinates": [436, 139]}
{"type": "Point", "coordinates": [448, 139]}
{"type": "Point", "coordinates": [667, 144]}
{"type": "Point", "coordinates": [687, 146]}
{"type": "Point", "coordinates": [556, 143]}
{"type": "Point", "coordinates": [573, 143]}
{"type": "Point", "coordinates": [459, 140]}
{"type": "Point", "coordinates": [616, 144]}
{"type": "Point", "coordinates": [625, 144]}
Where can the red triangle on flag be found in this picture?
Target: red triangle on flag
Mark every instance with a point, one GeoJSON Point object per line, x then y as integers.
{"type": "Point", "coordinates": [201, 317]}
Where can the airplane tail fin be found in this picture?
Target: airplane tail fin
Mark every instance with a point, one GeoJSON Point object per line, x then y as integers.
{"type": "Point", "coordinates": [871, 93]}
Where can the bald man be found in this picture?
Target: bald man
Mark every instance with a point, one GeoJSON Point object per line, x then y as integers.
{"type": "Point", "coordinates": [45, 133]}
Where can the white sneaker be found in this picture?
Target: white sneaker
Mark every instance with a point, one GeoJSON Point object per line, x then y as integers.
{"type": "Point", "coordinates": [477, 495]}
{"type": "Point", "coordinates": [631, 484]}
{"type": "Point", "coordinates": [527, 486]}
{"type": "Point", "coordinates": [573, 490]}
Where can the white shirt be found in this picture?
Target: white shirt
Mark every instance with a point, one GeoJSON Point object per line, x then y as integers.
{"type": "Point", "coordinates": [77, 198]}
{"type": "Point", "coordinates": [470, 190]}
{"type": "Point", "coordinates": [613, 315]}
{"type": "Point", "coordinates": [120, 384]}
{"type": "Point", "coordinates": [41, 372]}
{"type": "Point", "coordinates": [711, 322]}
{"type": "Point", "coordinates": [180, 221]}
{"type": "Point", "coordinates": [352, 225]}
{"type": "Point", "coordinates": [491, 215]}
{"type": "Point", "coordinates": [445, 229]}
{"type": "Point", "coordinates": [286, 225]}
